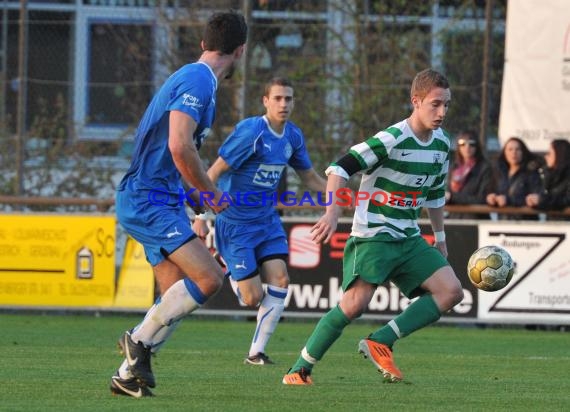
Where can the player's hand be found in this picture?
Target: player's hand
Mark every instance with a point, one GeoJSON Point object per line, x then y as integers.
{"type": "Point", "coordinates": [218, 204]}
{"type": "Point", "coordinates": [323, 230]}
{"type": "Point", "coordinates": [200, 227]}
{"type": "Point", "coordinates": [442, 247]}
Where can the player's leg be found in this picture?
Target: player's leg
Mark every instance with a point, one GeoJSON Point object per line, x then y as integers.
{"type": "Point", "coordinates": [363, 269]}
{"type": "Point", "coordinates": [272, 304]}
{"type": "Point", "coordinates": [353, 302]}
{"type": "Point", "coordinates": [204, 278]}
{"type": "Point", "coordinates": [246, 283]}
{"type": "Point", "coordinates": [272, 252]}
{"type": "Point", "coordinates": [247, 250]}
{"type": "Point", "coordinates": [425, 273]}
{"type": "Point", "coordinates": [236, 245]}
{"type": "Point", "coordinates": [164, 279]}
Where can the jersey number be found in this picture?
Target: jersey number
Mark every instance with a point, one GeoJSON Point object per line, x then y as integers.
{"type": "Point", "coordinates": [420, 181]}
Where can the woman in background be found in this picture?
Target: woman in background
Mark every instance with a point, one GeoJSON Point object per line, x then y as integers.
{"type": "Point", "coordinates": [516, 175]}
{"type": "Point", "coordinates": [555, 194]}
{"type": "Point", "coordinates": [470, 176]}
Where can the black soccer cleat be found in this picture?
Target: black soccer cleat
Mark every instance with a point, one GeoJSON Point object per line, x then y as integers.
{"type": "Point", "coordinates": [258, 359]}
{"type": "Point", "coordinates": [128, 387]}
{"type": "Point", "coordinates": [138, 358]}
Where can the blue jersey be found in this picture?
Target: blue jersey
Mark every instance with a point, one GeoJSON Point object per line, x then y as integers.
{"type": "Point", "coordinates": [192, 90]}
{"type": "Point", "coordinates": [257, 157]}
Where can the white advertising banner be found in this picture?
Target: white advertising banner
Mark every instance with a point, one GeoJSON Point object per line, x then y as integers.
{"type": "Point", "coordinates": [535, 99]}
{"type": "Point", "coordinates": [539, 292]}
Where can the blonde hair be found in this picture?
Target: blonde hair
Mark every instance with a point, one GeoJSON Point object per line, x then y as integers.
{"type": "Point", "coordinates": [425, 81]}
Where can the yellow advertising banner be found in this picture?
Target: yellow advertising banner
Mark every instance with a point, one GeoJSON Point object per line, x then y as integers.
{"type": "Point", "coordinates": [135, 288]}
{"type": "Point", "coordinates": [57, 260]}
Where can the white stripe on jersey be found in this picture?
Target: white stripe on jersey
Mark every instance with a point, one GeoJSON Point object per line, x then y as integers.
{"type": "Point", "coordinates": [409, 160]}
{"type": "Point", "coordinates": [368, 155]}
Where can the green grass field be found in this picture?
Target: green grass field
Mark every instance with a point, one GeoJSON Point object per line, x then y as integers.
{"type": "Point", "coordinates": [63, 363]}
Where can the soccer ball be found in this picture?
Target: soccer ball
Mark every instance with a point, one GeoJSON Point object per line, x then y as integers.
{"type": "Point", "coordinates": [490, 268]}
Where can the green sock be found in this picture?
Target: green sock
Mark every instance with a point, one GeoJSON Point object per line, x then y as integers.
{"type": "Point", "coordinates": [419, 314]}
{"type": "Point", "coordinates": [326, 332]}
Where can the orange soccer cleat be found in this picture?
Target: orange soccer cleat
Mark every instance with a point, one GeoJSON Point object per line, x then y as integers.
{"type": "Point", "coordinates": [381, 356]}
{"type": "Point", "coordinates": [300, 377]}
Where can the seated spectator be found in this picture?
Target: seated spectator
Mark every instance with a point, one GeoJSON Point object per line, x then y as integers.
{"type": "Point", "coordinates": [555, 194]}
{"type": "Point", "coordinates": [469, 176]}
{"type": "Point", "coordinates": [516, 176]}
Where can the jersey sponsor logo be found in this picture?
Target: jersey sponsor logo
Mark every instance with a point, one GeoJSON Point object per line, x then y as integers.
{"type": "Point", "coordinates": [268, 175]}
{"type": "Point", "coordinates": [404, 154]}
{"type": "Point", "coordinates": [192, 101]}
{"type": "Point", "coordinates": [288, 151]}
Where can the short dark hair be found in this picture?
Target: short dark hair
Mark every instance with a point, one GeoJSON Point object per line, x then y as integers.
{"type": "Point", "coordinates": [277, 81]}
{"type": "Point", "coordinates": [225, 32]}
{"type": "Point", "coordinates": [425, 81]}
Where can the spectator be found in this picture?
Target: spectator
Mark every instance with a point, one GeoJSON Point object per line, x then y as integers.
{"type": "Point", "coordinates": [516, 175]}
{"type": "Point", "coordinates": [470, 176]}
{"type": "Point", "coordinates": [555, 178]}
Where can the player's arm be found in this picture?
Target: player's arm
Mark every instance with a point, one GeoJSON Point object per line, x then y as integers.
{"type": "Point", "coordinates": [436, 218]}
{"type": "Point", "coordinates": [325, 227]}
{"type": "Point", "coordinates": [186, 158]}
{"type": "Point", "coordinates": [435, 202]}
{"type": "Point", "coordinates": [200, 225]}
{"type": "Point", "coordinates": [218, 168]}
{"type": "Point", "coordinates": [338, 174]}
{"type": "Point", "coordinates": [312, 180]}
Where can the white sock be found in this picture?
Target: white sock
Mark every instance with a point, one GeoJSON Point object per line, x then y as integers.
{"type": "Point", "coordinates": [268, 316]}
{"type": "Point", "coordinates": [148, 313]}
{"type": "Point", "coordinates": [124, 371]}
{"type": "Point", "coordinates": [176, 303]}
{"type": "Point", "coordinates": [235, 288]}
{"type": "Point", "coordinates": [162, 336]}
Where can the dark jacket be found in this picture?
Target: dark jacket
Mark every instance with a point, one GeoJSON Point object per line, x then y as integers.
{"type": "Point", "coordinates": [475, 186]}
{"type": "Point", "coordinates": [517, 186]}
{"type": "Point", "coordinates": [555, 194]}
{"type": "Point", "coordinates": [474, 190]}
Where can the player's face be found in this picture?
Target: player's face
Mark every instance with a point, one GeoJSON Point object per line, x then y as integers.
{"type": "Point", "coordinates": [279, 104]}
{"type": "Point", "coordinates": [431, 110]}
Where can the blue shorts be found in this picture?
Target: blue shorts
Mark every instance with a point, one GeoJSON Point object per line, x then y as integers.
{"type": "Point", "coordinates": [245, 247]}
{"type": "Point", "coordinates": [161, 229]}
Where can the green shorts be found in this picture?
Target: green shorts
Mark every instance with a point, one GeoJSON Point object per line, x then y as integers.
{"type": "Point", "coordinates": [407, 263]}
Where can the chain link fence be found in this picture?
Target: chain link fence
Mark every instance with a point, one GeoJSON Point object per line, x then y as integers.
{"type": "Point", "coordinates": [93, 65]}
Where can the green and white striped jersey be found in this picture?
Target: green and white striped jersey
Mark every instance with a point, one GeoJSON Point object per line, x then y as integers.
{"type": "Point", "coordinates": [401, 174]}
